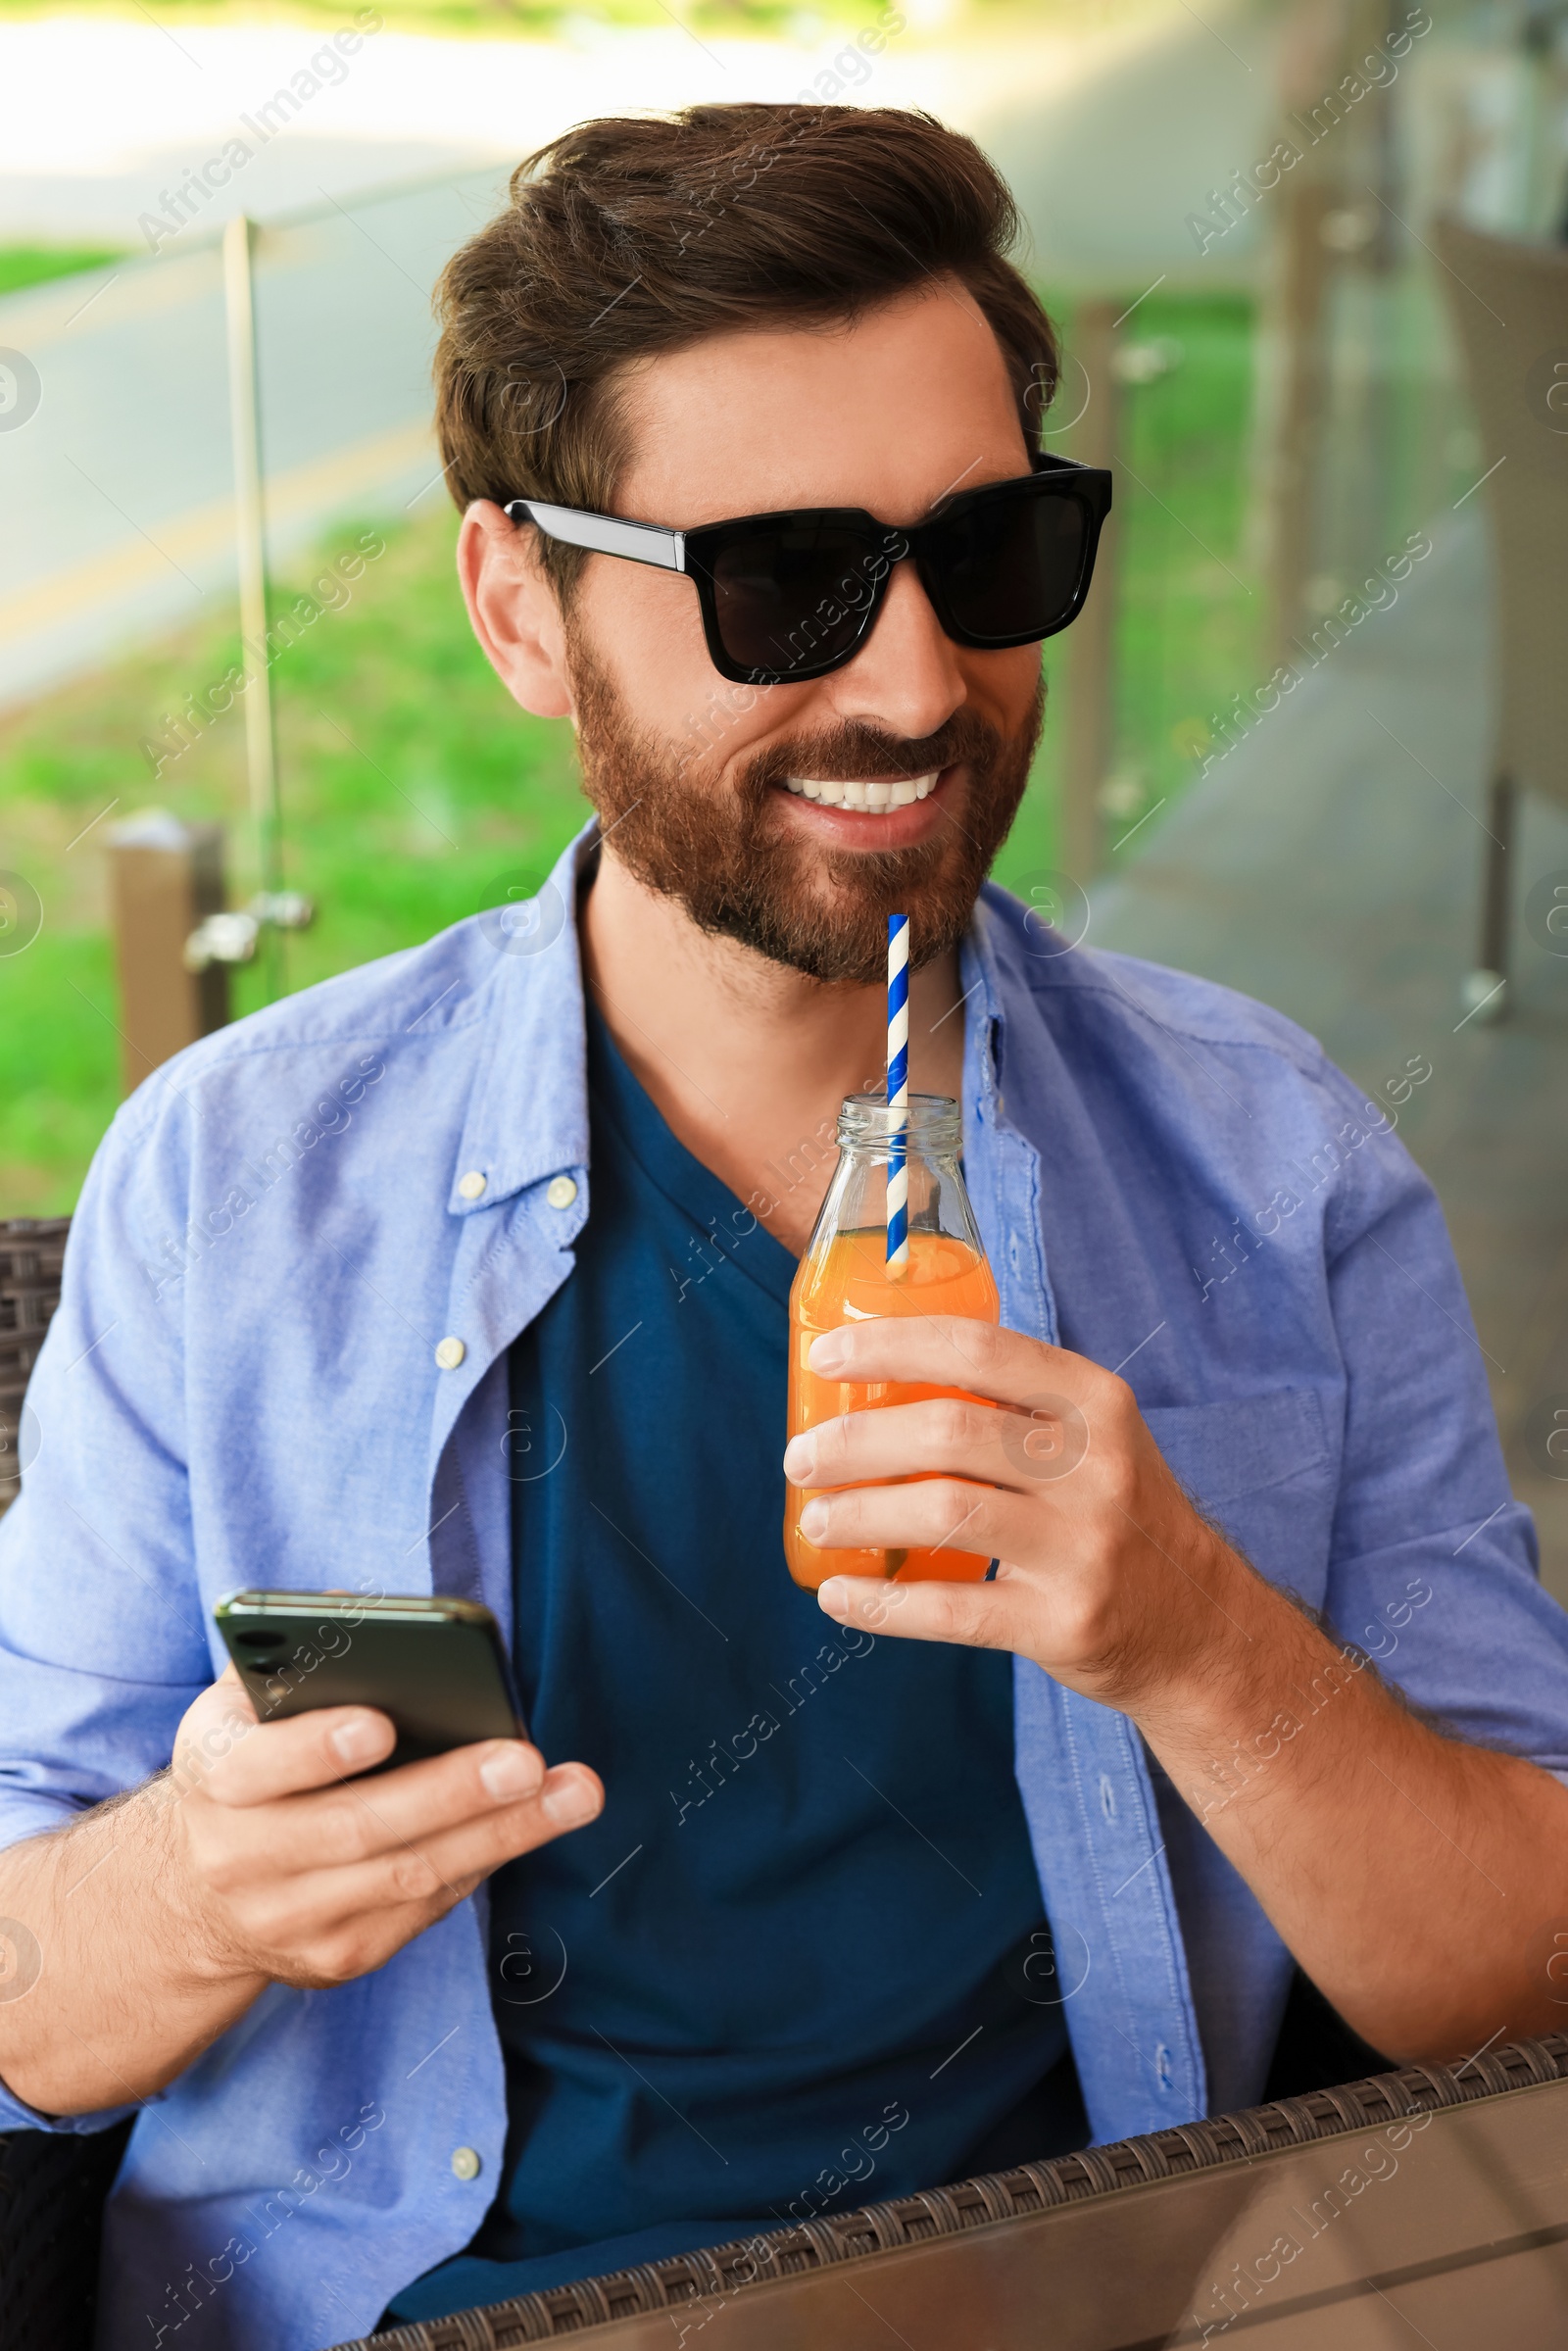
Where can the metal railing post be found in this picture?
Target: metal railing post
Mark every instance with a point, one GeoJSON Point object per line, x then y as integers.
{"type": "Point", "coordinates": [1089, 653]}
{"type": "Point", "coordinates": [260, 750]}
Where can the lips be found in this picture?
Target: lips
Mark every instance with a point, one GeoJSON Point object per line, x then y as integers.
{"type": "Point", "coordinates": [866, 796]}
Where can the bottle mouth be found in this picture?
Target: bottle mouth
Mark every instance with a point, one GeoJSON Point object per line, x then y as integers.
{"type": "Point", "coordinates": [935, 1122]}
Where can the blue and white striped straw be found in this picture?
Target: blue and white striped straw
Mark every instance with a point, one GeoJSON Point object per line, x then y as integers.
{"type": "Point", "coordinates": [898, 1091]}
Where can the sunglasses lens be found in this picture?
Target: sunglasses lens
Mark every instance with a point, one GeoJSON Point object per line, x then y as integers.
{"type": "Point", "coordinates": [1010, 567]}
{"type": "Point", "coordinates": [793, 597]}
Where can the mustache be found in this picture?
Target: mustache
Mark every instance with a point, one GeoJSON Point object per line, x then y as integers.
{"type": "Point", "coordinates": [860, 754]}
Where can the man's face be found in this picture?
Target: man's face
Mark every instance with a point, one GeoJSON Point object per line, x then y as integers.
{"type": "Point", "coordinates": [694, 774]}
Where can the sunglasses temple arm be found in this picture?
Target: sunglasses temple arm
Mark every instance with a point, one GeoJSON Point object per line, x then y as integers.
{"type": "Point", "coordinates": [604, 534]}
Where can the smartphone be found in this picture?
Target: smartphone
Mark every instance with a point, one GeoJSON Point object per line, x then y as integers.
{"type": "Point", "coordinates": [437, 1667]}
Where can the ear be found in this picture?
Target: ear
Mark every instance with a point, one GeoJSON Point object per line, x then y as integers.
{"type": "Point", "coordinates": [513, 610]}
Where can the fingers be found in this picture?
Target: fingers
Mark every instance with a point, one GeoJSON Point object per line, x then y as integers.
{"type": "Point", "coordinates": [361, 1820]}
{"type": "Point", "coordinates": [939, 1513]}
{"type": "Point", "coordinates": [974, 1615]}
{"type": "Point", "coordinates": [296, 1871]}
{"type": "Point", "coordinates": [260, 1762]}
{"type": "Point", "coordinates": [327, 1924]}
{"type": "Point", "coordinates": [947, 1351]}
{"type": "Point", "coordinates": [441, 1868]}
{"type": "Point", "coordinates": [351, 1820]}
{"type": "Point", "coordinates": [951, 1434]}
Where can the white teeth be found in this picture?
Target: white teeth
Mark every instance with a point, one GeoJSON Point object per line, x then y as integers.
{"type": "Point", "coordinates": [867, 798]}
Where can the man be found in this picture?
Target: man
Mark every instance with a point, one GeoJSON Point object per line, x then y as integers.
{"type": "Point", "coordinates": [468, 1271]}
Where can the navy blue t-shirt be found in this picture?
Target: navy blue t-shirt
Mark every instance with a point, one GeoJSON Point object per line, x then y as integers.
{"type": "Point", "coordinates": [800, 1961]}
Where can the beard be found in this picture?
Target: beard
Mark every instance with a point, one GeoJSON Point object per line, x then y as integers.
{"type": "Point", "coordinates": [726, 853]}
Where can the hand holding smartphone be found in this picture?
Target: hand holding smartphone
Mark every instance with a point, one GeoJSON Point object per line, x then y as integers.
{"type": "Point", "coordinates": [437, 1667]}
{"type": "Point", "coordinates": [258, 1853]}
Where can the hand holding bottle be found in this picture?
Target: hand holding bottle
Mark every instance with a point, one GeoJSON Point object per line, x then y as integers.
{"type": "Point", "coordinates": [1108, 1576]}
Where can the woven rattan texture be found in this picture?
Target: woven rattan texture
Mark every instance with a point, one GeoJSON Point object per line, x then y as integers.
{"type": "Point", "coordinates": [31, 1253]}
{"type": "Point", "coordinates": [52, 2190]}
{"type": "Point", "coordinates": [973, 2203]}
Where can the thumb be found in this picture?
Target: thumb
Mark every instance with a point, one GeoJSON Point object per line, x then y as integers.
{"type": "Point", "coordinates": [212, 1727]}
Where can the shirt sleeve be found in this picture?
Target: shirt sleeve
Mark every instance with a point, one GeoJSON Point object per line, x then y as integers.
{"type": "Point", "coordinates": [1434, 1566]}
{"type": "Point", "coordinates": [102, 1638]}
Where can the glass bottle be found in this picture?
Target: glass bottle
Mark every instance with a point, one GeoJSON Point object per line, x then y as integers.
{"type": "Point", "coordinates": [845, 1277]}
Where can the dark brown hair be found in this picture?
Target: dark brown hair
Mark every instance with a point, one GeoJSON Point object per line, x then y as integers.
{"type": "Point", "coordinates": [627, 237]}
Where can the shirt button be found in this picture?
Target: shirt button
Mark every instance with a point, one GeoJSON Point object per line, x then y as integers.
{"type": "Point", "coordinates": [561, 1191]}
{"type": "Point", "coordinates": [465, 2162]}
{"type": "Point", "coordinates": [472, 1185]}
{"type": "Point", "coordinates": [450, 1353]}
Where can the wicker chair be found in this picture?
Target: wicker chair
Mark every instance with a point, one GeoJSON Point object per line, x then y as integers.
{"type": "Point", "coordinates": [52, 2189]}
{"type": "Point", "coordinates": [31, 1253]}
{"type": "Point", "coordinates": [1509, 304]}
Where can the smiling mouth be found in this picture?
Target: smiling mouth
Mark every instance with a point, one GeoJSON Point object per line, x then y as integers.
{"type": "Point", "coordinates": [868, 796]}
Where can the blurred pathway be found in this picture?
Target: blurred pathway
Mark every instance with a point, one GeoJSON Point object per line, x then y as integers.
{"type": "Point", "coordinates": [1331, 866]}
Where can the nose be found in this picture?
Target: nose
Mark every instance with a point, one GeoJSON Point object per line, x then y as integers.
{"type": "Point", "coordinates": [905, 678]}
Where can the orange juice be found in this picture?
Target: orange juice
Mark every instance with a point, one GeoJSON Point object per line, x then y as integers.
{"type": "Point", "coordinates": [848, 1279]}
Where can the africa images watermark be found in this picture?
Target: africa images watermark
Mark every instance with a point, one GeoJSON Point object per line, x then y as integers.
{"type": "Point", "coordinates": [1232, 2297]}
{"type": "Point", "coordinates": [256, 1177]}
{"type": "Point", "coordinates": [1323, 1162]}
{"type": "Point", "coordinates": [330, 593]}
{"type": "Point", "coordinates": [1377, 594]}
{"type": "Point", "coordinates": [859, 2162]}
{"type": "Point", "coordinates": [851, 69]}
{"type": "Point", "coordinates": [264, 2215]}
{"type": "Point", "coordinates": [201, 184]}
{"type": "Point", "coordinates": [728, 706]}
{"type": "Point", "coordinates": [805, 1683]}
{"type": "Point", "coordinates": [1232, 1773]}
{"type": "Point", "coordinates": [1377, 71]}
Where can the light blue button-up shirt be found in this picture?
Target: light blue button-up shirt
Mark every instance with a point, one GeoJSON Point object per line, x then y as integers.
{"type": "Point", "coordinates": [241, 1387]}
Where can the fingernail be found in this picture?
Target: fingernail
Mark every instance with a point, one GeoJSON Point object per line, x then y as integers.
{"type": "Point", "coordinates": [830, 1352]}
{"type": "Point", "coordinates": [568, 1802]}
{"type": "Point", "coordinates": [833, 1598]}
{"type": "Point", "coordinates": [359, 1738]}
{"type": "Point", "coordinates": [799, 1458]}
{"type": "Point", "coordinates": [813, 1519]}
{"type": "Point", "coordinates": [511, 1770]}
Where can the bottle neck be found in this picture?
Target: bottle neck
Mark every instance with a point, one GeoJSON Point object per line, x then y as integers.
{"type": "Point", "coordinates": [931, 1128]}
{"type": "Point", "coordinates": [937, 1204]}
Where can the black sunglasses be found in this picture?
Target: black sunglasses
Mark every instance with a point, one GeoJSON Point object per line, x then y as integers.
{"type": "Point", "coordinates": [790, 597]}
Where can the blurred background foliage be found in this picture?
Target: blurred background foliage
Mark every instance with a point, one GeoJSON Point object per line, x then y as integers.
{"type": "Point", "coordinates": [32, 265]}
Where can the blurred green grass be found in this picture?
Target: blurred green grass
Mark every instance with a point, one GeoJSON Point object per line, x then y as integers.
{"type": "Point", "coordinates": [1187, 611]}
{"type": "Point", "coordinates": [31, 265]}
{"type": "Point", "coordinates": [413, 786]}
